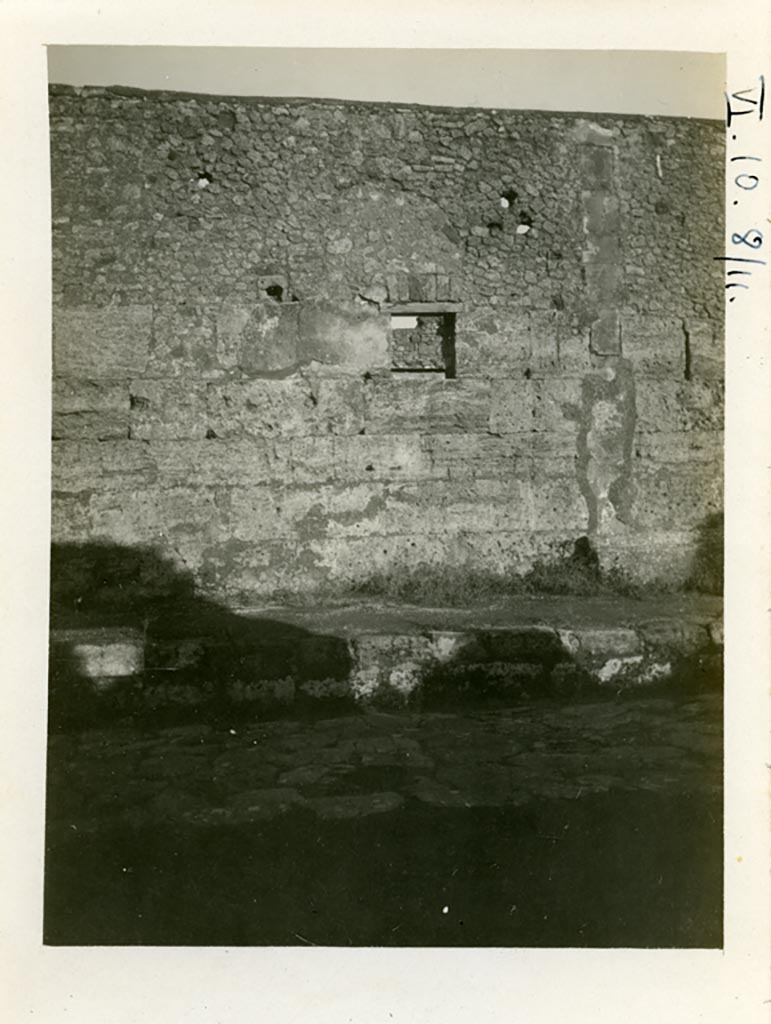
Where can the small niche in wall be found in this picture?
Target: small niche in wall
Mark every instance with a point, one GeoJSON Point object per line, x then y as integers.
{"type": "Point", "coordinates": [423, 341]}
{"type": "Point", "coordinates": [274, 287]}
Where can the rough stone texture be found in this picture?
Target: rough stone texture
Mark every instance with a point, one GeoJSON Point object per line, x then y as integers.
{"type": "Point", "coordinates": [263, 770]}
{"type": "Point", "coordinates": [394, 654]}
{"type": "Point", "coordinates": [227, 382]}
{"type": "Point", "coordinates": [112, 341]}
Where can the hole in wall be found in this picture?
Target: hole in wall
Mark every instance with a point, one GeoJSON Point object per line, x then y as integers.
{"type": "Point", "coordinates": [525, 219]}
{"type": "Point", "coordinates": [423, 342]}
{"type": "Point", "coordinates": [508, 198]}
{"type": "Point", "coordinates": [275, 292]}
{"type": "Point", "coordinates": [204, 179]}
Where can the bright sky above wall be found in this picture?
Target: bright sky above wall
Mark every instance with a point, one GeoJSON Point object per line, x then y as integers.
{"type": "Point", "coordinates": [673, 84]}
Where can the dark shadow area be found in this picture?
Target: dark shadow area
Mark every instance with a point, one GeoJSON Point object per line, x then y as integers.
{"type": "Point", "coordinates": [628, 866]}
{"type": "Point", "coordinates": [629, 869]}
{"type": "Point", "coordinates": [543, 670]}
{"type": "Point", "coordinates": [200, 659]}
{"type": "Point", "coordinates": [503, 667]}
{"type": "Point", "coordinates": [707, 570]}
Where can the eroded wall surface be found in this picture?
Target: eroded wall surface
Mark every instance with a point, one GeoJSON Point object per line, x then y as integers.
{"type": "Point", "coordinates": [231, 390]}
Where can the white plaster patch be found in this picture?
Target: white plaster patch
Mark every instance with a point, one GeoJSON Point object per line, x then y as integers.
{"type": "Point", "coordinates": [614, 666]}
{"type": "Point", "coordinates": [445, 647]}
{"type": "Point", "coordinates": [365, 682]}
{"type": "Point", "coordinates": [655, 672]}
{"type": "Point", "coordinates": [569, 641]}
{"type": "Point", "coordinates": [100, 661]}
{"type": "Point", "coordinates": [405, 678]}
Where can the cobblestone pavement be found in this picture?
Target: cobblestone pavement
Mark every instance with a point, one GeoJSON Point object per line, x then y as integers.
{"type": "Point", "coordinates": [471, 777]}
{"type": "Point", "coordinates": [371, 763]}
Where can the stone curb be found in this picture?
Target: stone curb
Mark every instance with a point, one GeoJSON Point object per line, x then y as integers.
{"type": "Point", "coordinates": [394, 667]}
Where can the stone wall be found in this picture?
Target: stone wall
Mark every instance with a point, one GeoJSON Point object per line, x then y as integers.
{"type": "Point", "coordinates": [301, 343]}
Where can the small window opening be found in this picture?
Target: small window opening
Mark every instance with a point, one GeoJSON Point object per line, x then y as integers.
{"type": "Point", "coordinates": [276, 292]}
{"type": "Point", "coordinates": [423, 343]}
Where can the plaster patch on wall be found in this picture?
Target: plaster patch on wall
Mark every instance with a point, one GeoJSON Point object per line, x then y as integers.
{"type": "Point", "coordinates": [605, 446]}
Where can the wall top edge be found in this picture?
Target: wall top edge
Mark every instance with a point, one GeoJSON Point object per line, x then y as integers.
{"type": "Point", "coordinates": [168, 96]}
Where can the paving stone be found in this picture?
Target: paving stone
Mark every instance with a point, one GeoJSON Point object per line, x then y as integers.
{"type": "Point", "coordinates": [338, 807]}
{"type": "Point", "coordinates": [314, 774]}
{"type": "Point", "coordinates": [249, 805]}
{"type": "Point", "coordinates": [537, 751]}
{"type": "Point", "coordinates": [430, 791]}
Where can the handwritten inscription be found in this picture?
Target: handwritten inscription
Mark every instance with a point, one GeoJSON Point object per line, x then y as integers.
{"type": "Point", "coordinates": [744, 103]}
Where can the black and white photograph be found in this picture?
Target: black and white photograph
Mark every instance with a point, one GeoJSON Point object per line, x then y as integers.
{"type": "Point", "coordinates": [386, 561]}
{"type": "Point", "coordinates": [387, 593]}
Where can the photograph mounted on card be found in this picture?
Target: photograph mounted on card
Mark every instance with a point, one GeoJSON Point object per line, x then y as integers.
{"type": "Point", "coordinates": [387, 495]}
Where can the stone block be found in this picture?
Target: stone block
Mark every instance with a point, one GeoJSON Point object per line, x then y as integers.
{"type": "Point", "coordinates": [286, 408]}
{"type": "Point", "coordinates": [674, 637]}
{"type": "Point", "coordinates": [337, 511]}
{"type": "Point", "coordinates": [99, 655]}
{"type": "Point", "coordinates": [669, 405]}
{"type": "Point", "coordinates": [653, 555]}
{"type": "Point", "coordinates": [655, 346]}
{"type": "Point", "coordinates": [390, 457]}
{"type": "Point", "coordinates": [183, 343]}
{"type": "Point", "coordinates": [340, 406]}
{"type": "Point", "coordinates": [239, 572]}
{"type": "Point", "coordinates": [261, 408]}
{"type": "Point", "coordinates": [575, 356]}
{"type": "Point", "coordinates": [109, 341]}
{"type": "Point", "coordinates": [559, 505]}
{"type": "Point", "coordinates": [682, 494]}
{"type": "Point", "coordinates": [677, 446]}
{"type": "Point", "coordinates": [70, 521]}
{"type": "Point", "coordinates": [402, 405]}
{"type": "Point", "coordinates": [259, 513]}
{"type": "Point", "coordinates": [89, 410]}
{"type": "Point", "coordinates": [471, 506]}
{"type": "Point", "coordinates": [353, 339]}
{"type": "Point", "coordinates": [706, 350]}
{"type": "Point", "coordinates": [307, 460]}
{"type": "Point", "coordinates": [468, 456]}
{"type": "Point", "coordinates": [607, 640]}
{"type": "Point", "coordinates": [90, 465]}
{"type": "Point", "coordinates": [258, 337]}
{"type": "Point", "coordinates": [536, 406]}
{"type": "Point", "coordinates": [147, 515]}
{"type": "Point", "coordinates": [166, 410]}
{"type": "Point", "coordinates": [487, 346]}
{"type": "Point", "coordinates": [213, 462]}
